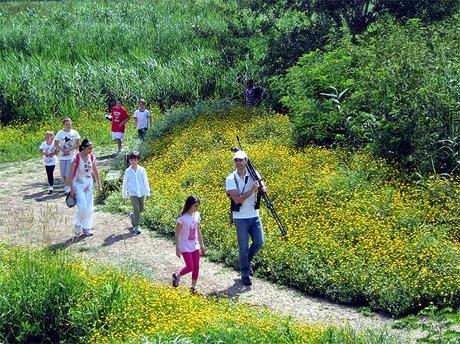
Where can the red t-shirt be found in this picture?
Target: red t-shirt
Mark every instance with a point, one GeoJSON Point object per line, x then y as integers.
{"type": "Point", "coordinates": [118, 116]}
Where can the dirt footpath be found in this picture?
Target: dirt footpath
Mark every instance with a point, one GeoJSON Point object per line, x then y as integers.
{"type": "Point", "coordinates": [29, 216]}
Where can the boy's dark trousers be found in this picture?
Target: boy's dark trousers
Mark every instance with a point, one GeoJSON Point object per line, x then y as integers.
{"type": "Point", "coordinates": [138, 208]}
{"type": "Point", "coordinates": [142, 133]}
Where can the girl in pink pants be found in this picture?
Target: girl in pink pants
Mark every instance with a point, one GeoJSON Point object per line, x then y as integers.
{"type": "Point", "coordinates": [189, 241]}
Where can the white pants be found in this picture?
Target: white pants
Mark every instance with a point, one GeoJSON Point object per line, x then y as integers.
{"type": "Point", "coordinates": [84, 208]}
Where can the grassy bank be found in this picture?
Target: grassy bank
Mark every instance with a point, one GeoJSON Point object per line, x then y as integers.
{"type": "Point", "coordinates": [54, 298]}
{"type": "Point", "coordinates": [21, 141]}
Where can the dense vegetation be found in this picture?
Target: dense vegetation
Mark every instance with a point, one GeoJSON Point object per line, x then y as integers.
{"type": "Point", "coordinates": [396, 62]}
{"type": "Point", "coordinates": [397, 91]}
{"type": "Point", "coordinates": [51, 298]}
{"type": "Point", "coordinates": [357, 232]}
{"type": "Point", "coordinates": [68, 56]}
{"type": "Point", "coordinates": [371, 78]}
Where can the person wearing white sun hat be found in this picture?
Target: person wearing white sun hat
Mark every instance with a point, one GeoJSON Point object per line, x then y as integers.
{"type": "Point", "coordinates": [242, 190]}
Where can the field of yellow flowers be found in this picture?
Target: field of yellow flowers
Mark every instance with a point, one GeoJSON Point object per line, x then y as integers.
{"type": "Point", "coordinates": [358, 231]}
{"type": "Point", "coordinates": [48, 297]}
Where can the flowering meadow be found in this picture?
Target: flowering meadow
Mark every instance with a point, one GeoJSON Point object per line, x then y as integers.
{"type": "Point", "coordinates": [48, 297]}
{"type": "Point", "coordinates": [358, 231]}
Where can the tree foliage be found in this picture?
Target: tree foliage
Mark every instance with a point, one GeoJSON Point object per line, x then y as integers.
{"type": "Point", "coordinates": [403, 94]}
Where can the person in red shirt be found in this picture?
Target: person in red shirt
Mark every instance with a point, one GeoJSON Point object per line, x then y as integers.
{"type": "Point", "coordinates": [119, 117]}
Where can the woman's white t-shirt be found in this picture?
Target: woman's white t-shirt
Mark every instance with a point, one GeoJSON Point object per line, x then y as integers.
{"type": "Point", "coordinates": [67, 143]}
{"type": "Point", "coordinates": [188, 236]}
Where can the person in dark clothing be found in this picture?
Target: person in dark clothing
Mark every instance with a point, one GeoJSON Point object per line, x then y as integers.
{"type": "Point", "coordinates": [253, 95]}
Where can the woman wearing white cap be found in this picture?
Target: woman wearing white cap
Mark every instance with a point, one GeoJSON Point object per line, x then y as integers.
{"type": "Point", "coordinates": [242, 190]}
{"type": "Point", "coordinates": [82, 169]}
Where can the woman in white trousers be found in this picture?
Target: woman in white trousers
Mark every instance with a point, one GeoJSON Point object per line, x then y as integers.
{"type": "Point", "coordinates": [82, 169]}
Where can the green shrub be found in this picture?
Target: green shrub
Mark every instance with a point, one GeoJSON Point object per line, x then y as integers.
{"type": "Point", "coordinates": [402, 96]}
{"type": "Point", "coordinates": [316, 117]}
{"type": "Point", "coordinates": [37, 292]}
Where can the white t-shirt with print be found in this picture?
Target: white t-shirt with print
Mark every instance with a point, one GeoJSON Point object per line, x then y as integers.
{"type": "Point", "coordinates": [67, 143]}
{"type": "Point", "coordinates": [188, 236]}
{"type": "Point", "coordinates": [46, 148]}
{"type": "Point", "coordinates": [142, 118]}
{"type": "Point", "coordinates": [247, 210]}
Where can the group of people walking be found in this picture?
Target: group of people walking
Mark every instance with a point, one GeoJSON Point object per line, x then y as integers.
{"type": "Point", "coordinates": [79, 171]}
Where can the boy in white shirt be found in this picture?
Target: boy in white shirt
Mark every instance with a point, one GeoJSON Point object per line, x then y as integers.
{"type": "Point", "coordinates": [143, 119]}
{"type": "Point", "coordinates": [65, 142]}
{"type": "Point", "coordinates": [135, 186]}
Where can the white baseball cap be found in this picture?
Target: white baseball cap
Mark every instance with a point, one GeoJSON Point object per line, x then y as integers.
{"type": "Point", "coordinates": [240, 155]}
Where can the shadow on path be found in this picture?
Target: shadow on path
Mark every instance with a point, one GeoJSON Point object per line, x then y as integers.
{"type": "Point", "coordinates": [44, 196]}
{"type": "Point", "coordinates": [112, 239]}
{"type": "Point", "coordinates": [67, 243]}
{"type": "Point", "coordinates": [231, 292]}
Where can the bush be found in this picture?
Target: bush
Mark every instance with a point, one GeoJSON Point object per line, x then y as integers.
{"type": "Point", "coordinates": [37, 292]}
{"type": "Point", "coordinates": [401, 99]}
{"type": "Point", "coordinates": [316, 118]}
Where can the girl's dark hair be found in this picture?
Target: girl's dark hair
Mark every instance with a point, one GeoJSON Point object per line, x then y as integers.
{"type": "Point", "coordinates": [189, 202]}
{"type": "Point", "coordinates": [85, 143]}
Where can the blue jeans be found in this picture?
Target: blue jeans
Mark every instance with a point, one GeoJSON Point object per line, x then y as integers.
{"type": "Point", "coordinates": [246, 228]}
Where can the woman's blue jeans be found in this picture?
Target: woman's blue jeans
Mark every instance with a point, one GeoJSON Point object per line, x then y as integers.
{"type": "Point", "coordinates": [245, 229]}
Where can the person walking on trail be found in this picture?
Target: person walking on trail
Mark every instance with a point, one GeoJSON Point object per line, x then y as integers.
{"type": "Point", "coordinates": [135, 186]}
{"type": "Point", "coordinates": [242, 190]}
{"type": "Point", "coordinates": [82, 170]}
{"type": "Point", "coordinates": [189, 241]}
{"type": "Point", "coordinates": [65, 143]}
{"type": "Point", "coordinates": [49, 158]}
{"type": "Point", "coordinates": [253, 95]}
{"type": "Point", "coordinates": [119, 117]}
{"type": "Point", "coordinates": [143, 119]}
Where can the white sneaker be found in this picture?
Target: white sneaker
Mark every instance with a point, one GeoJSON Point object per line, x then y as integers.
{"type": "Point", "coordinates": [77, 229]}
{"type": "Point", "coordinates": [50, 190]}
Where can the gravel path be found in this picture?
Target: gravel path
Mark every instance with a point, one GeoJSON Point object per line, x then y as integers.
{"type": "Point", "coordinates": [29, 216]}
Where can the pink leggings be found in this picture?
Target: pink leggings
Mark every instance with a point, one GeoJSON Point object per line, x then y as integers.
{"type": "Point", "coordinates": [192, 263]}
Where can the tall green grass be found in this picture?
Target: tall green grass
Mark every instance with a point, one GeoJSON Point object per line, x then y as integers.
{"type": "Point", "coordinates": [62, 57]}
